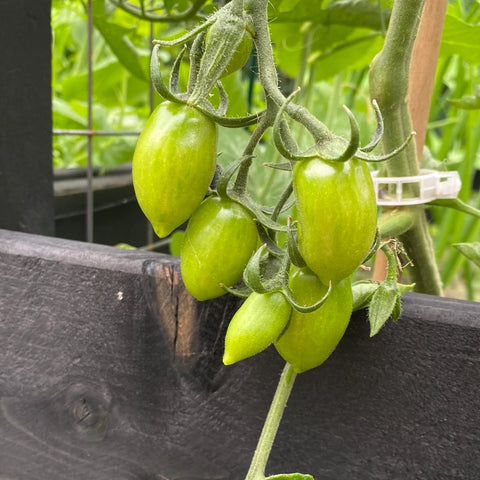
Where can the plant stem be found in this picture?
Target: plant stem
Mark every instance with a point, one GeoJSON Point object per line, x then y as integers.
{"type": "Point", "coordinates": [389, 80]}
{"type": "Point", "coordinates": [269, 431]}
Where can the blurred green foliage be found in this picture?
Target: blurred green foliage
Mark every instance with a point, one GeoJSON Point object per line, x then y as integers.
{"type": "Point", "coordinates": [323, 46]}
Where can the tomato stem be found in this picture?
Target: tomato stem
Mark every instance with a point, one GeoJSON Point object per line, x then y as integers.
{"type": "Point", "coordinates": [389, 80]}
{"type": "Point", "coordinates": [272, 422]}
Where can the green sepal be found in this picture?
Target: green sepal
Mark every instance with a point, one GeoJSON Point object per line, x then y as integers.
{"type": "Point", "coordinates": [222, 40]}
{"type": "Point", "coordinates": [175, 73]}
{"type": "Point", "coordinates": [279, 207]}
{"type": "Point", "coordinates": [249, 204]}
{"type": "Point", "coordinates": [375, 246]}
{"type": "Point", "coordinates": [188, 36]}
{"type": "Point", "coordinates": [252, 275]}
{"type": "Point", "coordinates": [378, 132]}
{"type": "Point", "coordinates": [157, 80]}
{"type": "Point", "coordinates": [229, 122]}
{"type": "Point", "coordinates": [290, 476]}
{"type": "Point", "coordinates": [227, 173]}
{"type": "Point", "coordinates": [286, 167]}
{"type": "Point", "coordinates": [387, 156]}
{"type": "Point", "coordinates": [241, 291]}
{"type": "Point", "coordinates": [292, 246]}
{"type": "Point", "coordinates": [283, 138]}
{"type": "Point", "coordinates": [271, 210]}
{"type": "Point", "coordinates": [272, 247]}
{"type": "Point", "coordinates": [196, 53]}
{"type": "Point", "coordinates": [305, 308]}
{"type": "Point", "coordinates": [223, 105]}
{"type": "Point", "coordinates": [354, 142]}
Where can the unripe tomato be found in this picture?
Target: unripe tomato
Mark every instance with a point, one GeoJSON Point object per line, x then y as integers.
{"type": "Point", "coordinates": [337, 215]}
{"type": "Point", "coordinates": [173, 164]}
{"type": "Point", "coordinates": [310, 338]}
{"type": "Point", "coordinates": [258, 322]}
{"type": "Point", "coordinates": [222, 45]}
{"type": "Point", "coordinates": [219, 240]}
{"type": "Point", "coordinates": [241, 54]}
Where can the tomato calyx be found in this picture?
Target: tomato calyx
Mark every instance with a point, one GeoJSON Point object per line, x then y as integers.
{"type": "Point", "coordinates": [259, 279]}
{"type": "Point", "coordinates": [327, 146]}
{"type": "Point", "coordinates": [221, 45]}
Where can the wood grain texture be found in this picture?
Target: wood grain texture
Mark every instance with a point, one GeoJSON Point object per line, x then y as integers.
{"type": "Point", "coordinates": [26, 179]}
{"type": "Point", "coordinates": [110, 370]}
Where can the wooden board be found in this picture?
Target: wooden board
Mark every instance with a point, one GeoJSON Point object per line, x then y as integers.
{"type": "Point", "coordinates": [109, 369]}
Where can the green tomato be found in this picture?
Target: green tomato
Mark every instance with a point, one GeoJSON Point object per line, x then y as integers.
{"type": "Point", "coordinates": [219, 240]}
{"type": "Point", "coordinates": [240, 56]}
{"type": "Point", "coordinates": [337, 215]}
{"type": "Point", "coordinates": [173, 164]}
{"type": "Point", "coordinates": [222, 45]}
{"type": "Point", "coordinates": [258, 322]}
{"type": "Point", "coordinates": [310, 338]}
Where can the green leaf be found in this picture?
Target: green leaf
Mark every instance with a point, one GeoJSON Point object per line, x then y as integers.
{"type": "Point", "coordinates": [125, 246]}
{"type": "Point", "coordinates": [470, 250]}
{"type": "Point", "coordinates": [334, 48]}
{"type": "Point", "coordinates": [116, 38]}
{"type": "Point", "coordinates": [364, 290]}
{"type": "Point", "coordinates": [352, 55]}
{"type": "Point", "coordinates": [460, 38]}
{"type": "Point", "coordinates": [362, 293]}
{"type": "Point", "coordinates": [382, 306]}
{"type": "Point", "coordinates": [290, 476]}
{"type": "Point", "coordinates": [64, 116]}
{"type": "Point", "coordinates": [456, 204]}
{"type": "Point", "coordinates": [353, 13]}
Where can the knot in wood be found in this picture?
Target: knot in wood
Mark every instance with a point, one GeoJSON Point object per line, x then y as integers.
{"type": "Point", "coordinates": [87, 410]}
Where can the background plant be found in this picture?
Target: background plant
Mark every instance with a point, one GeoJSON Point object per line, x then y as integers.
{"type": "Point", "coordinates": [329, 59]}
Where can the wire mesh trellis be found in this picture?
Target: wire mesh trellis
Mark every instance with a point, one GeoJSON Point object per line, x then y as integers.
{"type": "Point", "coordinates": [90, 133]}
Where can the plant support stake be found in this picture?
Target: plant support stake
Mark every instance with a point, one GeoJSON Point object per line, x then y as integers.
{"type": "Point", "coordinates": [389, 80]}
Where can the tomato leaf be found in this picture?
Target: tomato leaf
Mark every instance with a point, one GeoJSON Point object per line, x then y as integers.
{"type": "Point", "coordinates": [470, 250]}
{"type": "Point", "coordinates": [116, 38]}
{"type": "Point", "coordinates": [460, 38]}
{"type": "Point", "coordinates": [456, 204]}
{"type": "Point", "coordinates": [353, 13]}
{"type": "Point", "coordinates": [362, 293]}
{"type": "Point", "coordinates": [382, 306]}
{"type": "Point", "coordinates": [290, 476]}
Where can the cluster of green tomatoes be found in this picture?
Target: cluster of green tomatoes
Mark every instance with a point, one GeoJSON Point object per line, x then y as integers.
{"type": "Point", "coordinates": [299, 296]}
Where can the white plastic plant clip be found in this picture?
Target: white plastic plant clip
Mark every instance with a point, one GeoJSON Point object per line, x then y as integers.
{"type": "Point", "coordinates": [429, 185]}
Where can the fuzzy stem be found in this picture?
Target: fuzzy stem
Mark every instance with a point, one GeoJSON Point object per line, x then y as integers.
{"type": "Point", "coordinates": [389, 80]}
{"type": "Point", "coordinates": [269, 431]}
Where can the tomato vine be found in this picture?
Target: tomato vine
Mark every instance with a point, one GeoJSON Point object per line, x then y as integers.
{"type": "Point", "coordinates": [297, 283]}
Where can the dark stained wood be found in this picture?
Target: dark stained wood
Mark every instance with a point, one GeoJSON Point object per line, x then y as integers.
{"type": "Point", "coordinates": [110, 370]}
{"type": "Point", "coordinates": [26, 191]}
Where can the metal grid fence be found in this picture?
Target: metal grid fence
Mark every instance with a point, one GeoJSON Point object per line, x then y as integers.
{"type": "Point", "coordinates": [90, 133]}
